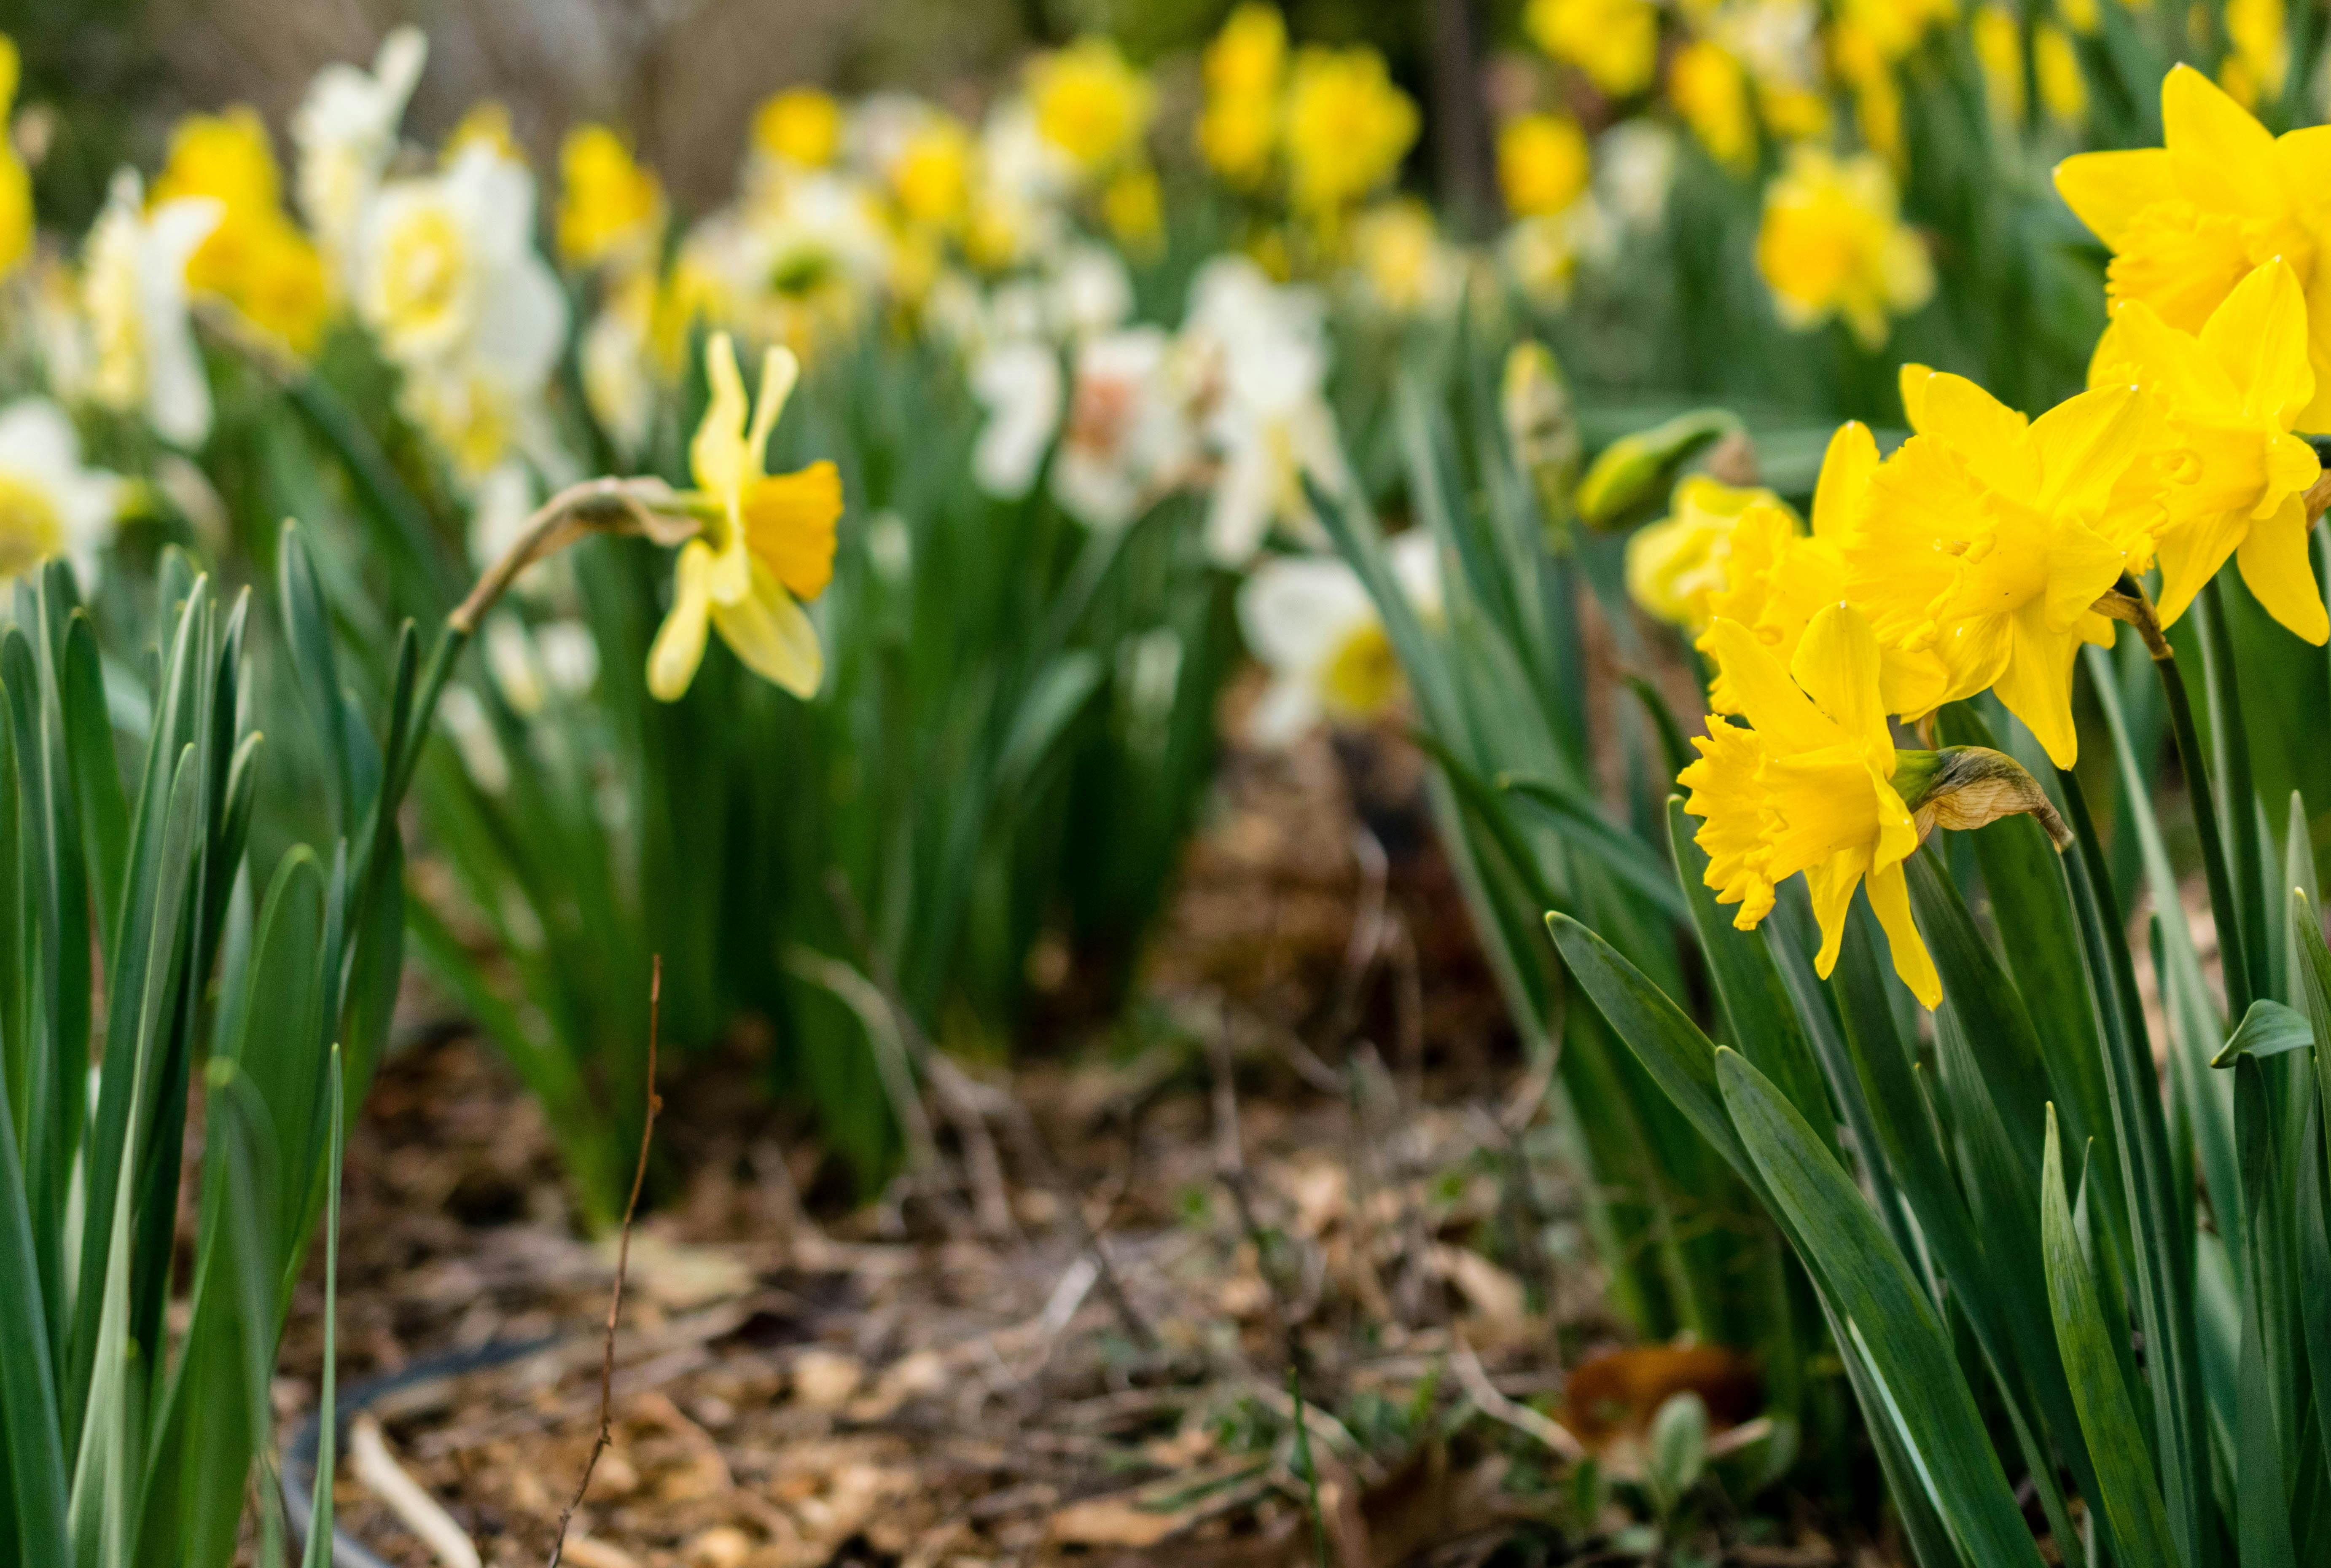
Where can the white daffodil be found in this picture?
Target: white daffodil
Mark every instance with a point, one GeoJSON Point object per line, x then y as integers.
{"type": "Point", "coordinates": [1127, 439]}
{"type": "Point", "coordinates": [1259, 355]}
{"type": "Point", "coordinates": [459, 299]}
{"type": "Point", "coordinates": [1018, 381]}
{"type": "Point", "coordinates": [346, 131]}
{"type": "Point", "coordinates": [1087, 291]}
{"type": "Point", "coordinates": [143, 357]}
{"type": "Point", "coordinates": [1311, 622]}
{"type": "Point", "coordinates": [796, 267]}
{"type": "Point", "coordinates": [1634, 167]}
{"type": "Point", "coordinates": [50, 505]}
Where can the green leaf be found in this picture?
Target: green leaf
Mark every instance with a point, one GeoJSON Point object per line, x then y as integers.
{"type": "Point", "coordinates": [1892, 1321]}
{"type": "Point", "coordinates": [2268, 1029]}
{"type": "Point", "coordinates": [1580, 822]}
{"type": "Point", "coordinates": [97, 777]}
{"type": "Point", "coordinates": [2123, 1463]}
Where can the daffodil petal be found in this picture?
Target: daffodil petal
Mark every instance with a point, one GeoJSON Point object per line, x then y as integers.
{"type": "Point", "coordinates": [678, 647]}
{"type": "Point", "coordinates": [2037, 684]}
{"type": "Point", "coordinates": [1844, 484]}
{"type": "Point", "coordinates": [779, 370]}
{"type": "Point", "coordinates": [1836, 664]}
{"type": "Point", "coordinates": [1889, 898]}
{"type": "Point", "coordinates": [2108, 189]}
{"type": "Point", "coordinates": [2221, 157]}
{"type": "Point", "coordinates": [717, 453]}
{"type": "Point", "coordinates": [773, 635]}
{"type": "Point", "coordinates": [1832, 884]}
{"type": "Point", "coordinates": [2259, 336]}
{"type": "Point", "coordinates": [1765, 693]}
{"type": "Point", "coordinates": [2274, 561]}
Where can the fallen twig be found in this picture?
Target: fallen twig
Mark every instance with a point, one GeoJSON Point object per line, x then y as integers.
{"type": "Point", "coordinates": [623, 1264]}
{"type": "Point", "coordinates": [401, 1495]}
{"type": "Point", "coordinates": [1498, 1408]}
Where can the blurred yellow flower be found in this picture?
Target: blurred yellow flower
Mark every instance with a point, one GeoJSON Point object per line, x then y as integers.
{"type": "Point", "coordinates": [931, 176]}
{"type": "Point", "coordinates": [800, 125]}
{"type": "Point", "coordinates": [16, 179]}
{"type": "Point", "coordinates": [1133, 208]}
{"type": "Point", "coordinates": [1543, 163]}
{"type": "Point", "coordinates": [1090, 103]}
{"type": "Point", "coordinates": [1893, 28]}
{"type": "Point", "coordinates": [2235, 479]}
{"type": "Point", "coordinates": [1776, 578]}
{"type": "Point", "coordinates": [256, 259]}
{"type": "Point", "coordinates": [768, 545]}
{"type": "Point", "coordinates": [1877, 96]}
{"type": "Point", "coordinates": [2189, 220]}
{"type": "Point", "coordinates": [1615, 43]}
{"type": "Point", "coordinates": [1239, 126]}
{"type": "Point", "coordinates": [1675, 564]}
{"type": "Point", "coordinates": [2063, 85]}
{"type": "Point", "coordinates": [1348, 128]}
{"type": "Point", "coordinates": [2080, 16]}
{"type": "Point", "coordinates": [1810, 789]}
{"type": "Point", "coordinates": [1998, 40]}
{"type": "Point", "coordinates": [1989, 539]}
{"type": "Point", "coordinates": [2258, 58]}
{"type": "Point", "coordinates": [1407, 267]}
{"type": "Point", "coordinates": [487, 123]}
{"type": "Point", "coordinates": [1833, 243]}
{"type": "Point", "coordinates": [1710, 91]}
{"type": "Point", "coordinates": [610, 207]}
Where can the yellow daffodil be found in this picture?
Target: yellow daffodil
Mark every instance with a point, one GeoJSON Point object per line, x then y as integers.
{"type": "Point", "coordinates": [800, 125]}
{"type": "Point", "coordinates": [1238, 129]}
{"type": "Point", "coordinates": [1863, 65]}
{"type": "Point", "coordinates": [767, 544]}
{"type": "Point", "coordinates": [1988, 539]}
{"type": "Point", "coordinates": [2259, 57]}
{"type": "Point", "coordinates": [2235, 479]}
{"type": "Point", "coordinates": [2188, 221]}
{"type": "Point", "coordinates": [931, 176]}
{"type": "Point", "coordinates": [1833, 244]}
{"type": "Point", "coordinates": [1090, 103]}
{"type": "Point", "coordinates": [1811, 788]}
{"type": "Point", "coordinates": [609, 208]}
{"type": "Point", "coordinates": [1406, 266]}
{"type": "Point", "coordinates": [256, 259]}
{"type": "Point", "coordinates": [1675, 564]}
{"type": "Point", "coordinates": [1615, 43]}
{"type": "Point", "coordinates": [1348, 128]}
{"type": "Point", "coordinates": [1776, 578]}
{"type": "Point", "coordinates": [1710, 91]}
{"type": "Point", "coordinates": [16, 179]}
{"type": "Point", "coordinates": [1543, 165]}
{"type": "Point", "coordinates": [2063, 85]}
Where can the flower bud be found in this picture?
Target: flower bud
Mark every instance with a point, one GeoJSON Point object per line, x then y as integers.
{"type": "Point", "coordinates": [1637, 471]}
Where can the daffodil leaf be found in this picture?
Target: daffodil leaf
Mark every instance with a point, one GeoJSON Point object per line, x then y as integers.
{"type": "Point", "coordinates": [2268, 1029]}
{"type": "Point", "coordinates": [1625, 856]}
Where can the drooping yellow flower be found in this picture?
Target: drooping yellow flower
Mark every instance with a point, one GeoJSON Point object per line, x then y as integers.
{"type": "Point", "coordinates": [1675, 564]}
{"type": "Point", "coordinates": [2235, 478]}
{"type": "Point", "coordinates": [1988, 539]}
{"type": "Point", "coordinates": [610, 207]}
{"type": "Point", "coordinates": [1833, 244]}
{"type": "Point", "coordinates": [1777, 578]}
{"type": "Point", "coordinates": [800, 125]}
{"type": "Point", "coordinates": [1090, 103]}
{"type": "Point", "coordinates": [2255, 66]}
{"type": "Point", "coordinates": [1238, 129]}
{"type": "Point", "coordinates": [1811, 788]}
{"type": "Point", "coordinates": [1543, 163]}
{"type": "Point", "coordinates": [256, 259]}
{"type": "Point", "coordinates": [1615, 43]}
{"type": "Point", "coordinates": [1710, 90]}
{"type": "Point", "coordinates": [768, 545]}
{"type": "Point", "coordinates": [1348, 128]}
{"type": "Point", "coordinates": [2189, 220]}
{"type": "Point", "coordinates": [16, 179]}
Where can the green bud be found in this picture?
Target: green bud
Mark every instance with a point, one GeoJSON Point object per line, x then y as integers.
{"type": "Point", "coordinates": [1966, 786]}
{"type": "Point", "coordinates": [1638, 470]}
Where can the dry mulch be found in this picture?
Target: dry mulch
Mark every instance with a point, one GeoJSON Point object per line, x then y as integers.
{"type": "Point", "coordinates": [1068, 1336]}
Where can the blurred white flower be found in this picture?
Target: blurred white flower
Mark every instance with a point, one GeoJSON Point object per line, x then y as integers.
{"type": "Point", "coordinates": [1311, 623]}
{"type": "Point", "coordinates": [1018, 381]}
{"type": "Point", "coordinates": [345, 131]}
{"type": "Point", "coordinates": [795, 267]}
{"type": "Point", "coordinates": [570, 655]}
{"type": "Point", "coordinates": [615, 359]}
{"type": "Point", "coordinates": [50, 505]}
{"type": "Point", "coordinates": [1089, 291]}
{"type": "Point", "coordinates": [1126, 441]}
{"type": "Point", "coordinates": [143, 357]}
{"type": "Point", "coordinates": [463, 719]}
{"type": "Point", "coordinates": [1634, 167]}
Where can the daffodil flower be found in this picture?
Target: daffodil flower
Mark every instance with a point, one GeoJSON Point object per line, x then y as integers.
{"type": "Point", "coordinates": [767, 545]}
{"type": "Point", "coordinates": [1675, 564]}
{"type": "Point", "coordinates": [1987, 540]}
{"type": "Point", "coordinates": [2236, 479]}
{"type": "Point", "coordinates": [1311, 623]}
{"type": "Point", "coordinates": [1811, 788]}
{"type": "Point", "coordinates": [2188, 221]}
{"type": "Point", "coordinates": [1776, 578]}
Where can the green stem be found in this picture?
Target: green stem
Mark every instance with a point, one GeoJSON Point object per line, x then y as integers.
{"type": "Point", "coordinates": [2160, 1225]}
{"type": "Point", "coordinates": [2232, 951]}
{"type": "Point", "coordinates": [2238, 809]}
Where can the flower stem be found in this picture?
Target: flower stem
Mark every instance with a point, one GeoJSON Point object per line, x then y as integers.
{"type": "Point", "coordinates": [2233, 952]}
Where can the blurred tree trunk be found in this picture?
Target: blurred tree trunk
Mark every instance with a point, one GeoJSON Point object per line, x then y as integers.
{"type": "Point", "coordinates": [1460, 132]}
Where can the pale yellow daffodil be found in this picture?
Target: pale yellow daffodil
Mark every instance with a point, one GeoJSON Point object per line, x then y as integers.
{"type": "Point", "coordinates": [767, 545]}
{"type": "Point", "coordinates": [1988, 539]}
{"type": "Point", "coordinates": [2235, 478]}
{"type": "Point", "coordinates": [1811, 788]}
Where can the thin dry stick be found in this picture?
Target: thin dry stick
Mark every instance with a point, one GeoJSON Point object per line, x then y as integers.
{"type": "Point", "coordinates": [1475, 1381]}
{"type": "Point", "coordinates": [623, 1264]}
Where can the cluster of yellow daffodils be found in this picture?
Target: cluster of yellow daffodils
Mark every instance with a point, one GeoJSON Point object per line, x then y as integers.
{"type": "Point", "coordinates": [256, 260]}
{"type": "Point", "coordinates": [16, 179]}
{"type": "Point", "coordinates": [1988, 547]}
{"type": "Point", "coordinates": [1834, 245]}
